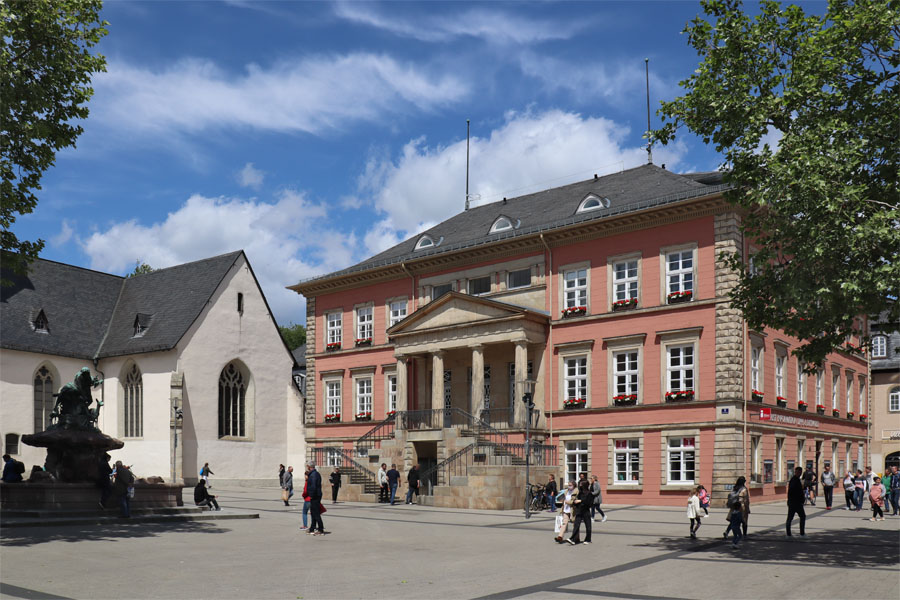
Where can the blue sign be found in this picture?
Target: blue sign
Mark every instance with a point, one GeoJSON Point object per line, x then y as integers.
{"type": "Point", "coordinates": [725, 411]}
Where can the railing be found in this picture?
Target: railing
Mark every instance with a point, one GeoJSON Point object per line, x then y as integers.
{"type": "Point", "coordinates": [501, 418]}
{"type": "Point", "coordinates": [456, 464]}
{"type": "Point", "coordinates": [382, 431]}
{"type": "Point", "coordinates": [330, 456]}
{"type": "Point", "coordinates": [422, 419]}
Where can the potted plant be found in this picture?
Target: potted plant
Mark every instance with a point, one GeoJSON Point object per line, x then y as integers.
{"type": "Point", "coordinates": [836, 413]}
{"type": "Point", "coordinates": [333, 418]}
{"type": "Point", "coordinates": [574, 311]}
{"type": "Point", "coordinates": [781, 401]}
{"type": "Point", "coordinates": [679, 395]}
{"type": "Point", "coordinates": [364, 416]}
{"type": "Point", "coordinates": [625, 400]}
{"type": "Point", "coordinates": [624, 304]}
{"type": "Point", "coordinates": [676, 297]}
{"type": "Point", "coordinates": [820, 408]}
{"type": "Point", "coordinates": [862, 418]}
{"type": "Point", "coordinates": [850, 414]}
{"type": "Point", "coordinates": [573, 403]}
{"type": "Point", "coordinates": [332, 346]}
{"type": "Point", "coordinates": [391, 413]}
{"type": "Point", "coordinates": [756, 395]}
{"type": "Point", "coordinates": [363, 342]}
{"type": "Point", "coordinates": [802, 406]}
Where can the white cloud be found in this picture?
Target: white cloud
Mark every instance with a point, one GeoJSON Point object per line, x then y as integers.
{"type": "Point", "coordinates": [312, 94]}
{"type": "Point", "coordinates": [492, 26]}
{"type": "Point", "coordinates": [275, 237]}
{"type": "Point", "coordinates": [250, 176]}
{"type": "Point", "coordinates": [65, 234]}
{"type": "Point", "coordinates": [527, 153]}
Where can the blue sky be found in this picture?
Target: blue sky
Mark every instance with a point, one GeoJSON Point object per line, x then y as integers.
{"type": "Point", "coordinates": [313, 135]}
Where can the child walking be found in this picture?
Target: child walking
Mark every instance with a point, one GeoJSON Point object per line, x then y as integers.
{"type": "Point", "coordinates": [693, 510]}
{"type": "Point", "coordinates": [704, 500]}
{"type": "Point", "coordinates": [876, 497]}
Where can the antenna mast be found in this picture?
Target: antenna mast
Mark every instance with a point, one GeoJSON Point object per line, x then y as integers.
{"type": "Point", "coordinates": [467, 164]}
{"type": "Point", "coordinates": [649, 144]}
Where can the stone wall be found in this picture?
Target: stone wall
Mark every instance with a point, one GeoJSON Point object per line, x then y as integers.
{"type": "Point", "coordinates": [487, 488]}
{"type": "Point", "coordinates": [83, 496]}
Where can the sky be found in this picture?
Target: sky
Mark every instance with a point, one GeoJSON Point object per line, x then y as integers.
{"type": "Point", "coordinates": [314, 135]}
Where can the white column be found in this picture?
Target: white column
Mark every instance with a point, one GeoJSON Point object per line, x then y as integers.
{"type": "Point", "coordinates": [402, 385]}
{"type": "Point", "coordinates": [521, 375]}
{"type": "Point", "coordinates": [477, 380]}
{"type": "Point", "coordinates": [437, 380]}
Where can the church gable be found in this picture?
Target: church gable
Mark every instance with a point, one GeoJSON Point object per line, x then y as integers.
{"type": "Point", "coordinates": [454, 310]}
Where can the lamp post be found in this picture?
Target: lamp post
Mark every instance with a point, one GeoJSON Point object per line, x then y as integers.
{"type": "Point", "coordinates": [178, 415]}
{"type": "Point", "coordinates": [527, 391]}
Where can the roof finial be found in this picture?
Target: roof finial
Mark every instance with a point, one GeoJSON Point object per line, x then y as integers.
{"type": "Point", "coordinates": [649, 143]}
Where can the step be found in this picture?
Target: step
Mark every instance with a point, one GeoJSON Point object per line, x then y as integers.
{"type": "Point", "coordinates": [223, 515]}
{"type": "Point", "coordinates": [56, 513]}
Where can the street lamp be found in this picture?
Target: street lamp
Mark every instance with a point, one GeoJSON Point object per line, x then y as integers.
{"type": "Point", "coordinates": [526, 388]}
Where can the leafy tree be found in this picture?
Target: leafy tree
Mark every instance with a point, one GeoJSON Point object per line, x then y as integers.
{"type": "Point", "coordinates": [141, 268]}
{"type": "Point", "coordinates": [45, 76]}
{"type": "Point", "coordinates": [805, 110]}
{"type": "Point", "coordinates": [294, 335]}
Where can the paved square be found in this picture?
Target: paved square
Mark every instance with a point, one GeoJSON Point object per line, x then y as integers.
{"type": "Point", "coordinates": [377, 551]}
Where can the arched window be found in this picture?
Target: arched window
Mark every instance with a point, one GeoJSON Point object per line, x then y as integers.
{"type": "Point", "coordinates": [232, 402]}
{"type": "Point", "coordinates": [133, 385]}
{"type": "Point", "coordinates": [43, 399]}
{"type": "Point", "coordinates": [501, 224]}
{"type": "Point", "coordinates": [424, 242]}
{"type": "Point", "coordinates": [592, 202]}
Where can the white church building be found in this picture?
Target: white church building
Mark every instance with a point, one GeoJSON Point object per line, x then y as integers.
{"type": "Point", "coordinates": [194, 369]}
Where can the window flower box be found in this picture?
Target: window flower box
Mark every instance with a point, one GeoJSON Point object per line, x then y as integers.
{"type": "Point", "coordinates": [852, 349]}
{"type": "Point", "coordinates": [574, 311]}
{"type": "Point", "coordinates": [679, 395]}
{"type": "Point", "coordinates": [820, 408]}
{"type": "Point", "coordinates": [573, 403]}
{"type": "Point", "coordinates": [332, 346]}
{"type": "Point", "coordinates": [836, 413]}
{"type": "Point", "coordinates": [850, 414]}
{"type": "Point", "coordinates": [391, 413]}
{"type": "Point", "coordinates": [802, 406]}
{"type": "Point", "coordinates": [781, 401]}
{"type": "Point", "coordinates": [862, 418]}
{"type": "Point", "coordinates": [625, 400]}
{"type": "Point", "coordinates": [364, 416]}
{"type": "Point", "coordinates": [333, 418]}
{"type": "Point", "coordinates": [624, 304]}
{"type": "Point", "coordinates": [756, 395]}
{"type": "Point", "coordinates": [363, 342]}
{"type": "Point", "coordinates": [676, 297]}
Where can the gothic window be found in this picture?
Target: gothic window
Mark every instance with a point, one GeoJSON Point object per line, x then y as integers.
{"type": "Point", "coordinates": [133, 385]}
{"type": "Point", "coordinates": [232, 402]}
{"type": "Point", "coordinates": [43, 399]}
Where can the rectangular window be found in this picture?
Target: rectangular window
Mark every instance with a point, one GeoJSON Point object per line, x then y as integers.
{"type": "Point", "coordinates": [240, 303]}
{"type": "Point", "coordinates": [681, 460]}
{"type": "Point", "coordinates": [364, 396]}
{"type": "Point", "coordinates": [518, 279]}
{"type": "Point", "coordinates": [625, 280]}
{"type": "Point", "coordinates": [820, 383]}
{"type": "Point", "coordinates": [779, 457]}
{"type": "Point", "coordinates": [680, 271]}
{"type": "Point", "coordinates": [800, 444]}
{"type": "Point", "coordinates": [755, 356]}
{"type": "Point", "coordinates": [834, 458]}
{"type": "Point", "coordinates": [767, 471]}
{"type": "Point", "coordinates": [575, 288]}
{"type": "Point", "coordinates": [333, 398]}
{"type": "Point", "coordinates": [755, 472]}
{"type": "Point", "coordinates": [879, 346]}
{"type": "Point", "coordinates": [801, 382]}
{"type": "Point", "coordinates": [576, 459]}
{"type": "Point", "coordinates": [680, 368]}
{"type": "Point", "coordinates": [11, 443]}
{"type": "Point", "coordinates": [334, 328]}
{"type": "Point", "coordinates": [576, 378]}
{"type": "Point", "coordinates": [628, 462]}
{"type": "Point", "coordinates": [332, 457]}
{"type": "Point", "coordinates": [398, 312]}
{"type": "Point", "coordinates": [626, 373]}
{"type": "Point", "coordinates": [862, 396]}
{"type": "Point", "coordinates": [479, 286]}
{"type": "Point", "coordinates": [893, 400]}
{"type": "Point", "coordinates": [779, 375]}
{"type": "Point", "coordinates": [439, 290]}
{"type": "Point", "coordinates": [849, 392]}
{"type": "Point", "coordinates": [364, 320]}
{"type": "Point", "coordinates": [835, 383]}
{"type": "Point", "coordinates": [849, 446]}
{"type": "Point", "coordinates": [392, 393]}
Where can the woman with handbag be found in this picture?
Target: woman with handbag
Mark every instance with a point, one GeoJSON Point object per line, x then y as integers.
{"type": "Point", "coordinates": [287, 486]}
{"type": "Point", "coordinates": [598, 498]}
{"type": "Point", "coordinates": [562, 521]}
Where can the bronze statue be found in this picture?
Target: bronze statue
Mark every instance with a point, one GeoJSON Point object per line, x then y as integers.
{"type": "Point", "coordinates": [73, 404]}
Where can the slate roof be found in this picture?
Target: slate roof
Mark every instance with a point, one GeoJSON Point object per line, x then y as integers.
{"type": "Point", "coordinates": [883, 325]}
{"type": "Point", "coordinates": [631, 190]}
{"type": "Point", "coordinates": [92, 314]}
{"type": "Point", "coordinates": [299, 354]}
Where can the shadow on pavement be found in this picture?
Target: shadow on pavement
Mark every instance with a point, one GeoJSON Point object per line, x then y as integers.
{"type": "Point", "coordinates": [30, 536]}
{"type": "Point", "coordinates": [847, 548]}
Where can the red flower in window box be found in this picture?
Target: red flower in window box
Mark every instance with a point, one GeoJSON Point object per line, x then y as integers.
{"type": "Point", "coordinates": [625, 399]}
{"type": "Point", "coordinates": [781, 401]}
{"type": "Point", "coordinates": [364, 341]}
{"type": "Point", "coordinates": [332, 346]}
{"type": "Point", "coordinates": [626, 303]}
{"type": "Point", "coordinates": [849, 414]}
{"type": "Point", "coordinates": [364, 416]}
{"type": "Point", "coordinates": [757, 395]}
{"type": "Point", "coordinates": [863, 418]}
{"type": "Point", "coordinates": [679, 296]}
{"type": "Point", "coordinates": [575, 403]}
{"type": "Point", "coordinates": [574, 311]}
{"type": "Point", "coordinates": [679, 395]}
{"type": "Point", "coordinates": [332, 417]}
{"type": "Point", "coordinates": [391, 413]}
{"type": "Point", "coordinates": [820, 408]}
{"type": "Point", "coordinates": [802, 405]}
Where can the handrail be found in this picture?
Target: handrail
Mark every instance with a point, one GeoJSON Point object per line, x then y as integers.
{"type": "Point", "coordinates": [346, 461]}
{"type": "Point", "coordinates": [441, 467]}
{"type": "Point", "coordinates": [495, 454]}
{"type": "Point", "coordinates": [494, 435]}
{"type": "Point", "coordinates": [367, 440]}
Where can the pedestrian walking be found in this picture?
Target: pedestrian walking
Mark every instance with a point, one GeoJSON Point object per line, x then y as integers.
{"type": "Point", "coordinates": [104, 472]}
{"type": "Point", "coordinates": [597, 493]}
{"type": "Point", "coordinates": [795, 499]}
{"type": "Point", "coordinates": [412, 478]}
{"type": "Point", "coordinates": [551, 490]}
{"type": "Point", "coordinates": [735, 503]}
{"type": "Point", "coordinates": [704, 500]}
{"type": "Point", "coordinates": [876, 498]}
{"type": "Point", "coordinates": [582, 508]}
{"type": "Point", "coordinates": [280, 475]}
{"type": "Point", "coordinates": [203, 498]}
{"type": "Point", "coordinates": [335, 479]}
{"type": "Point", "coordinates": [870, 478]}
{"type": "Point", "coordinates": [383, 482]}
{"type": "Point", "coordinates": [569, 497]}
{"type": "Point", "coordinates": [809, 484]}
{"type": "Point", "coordinates": [287, 486]}
{"type": "Point", "coordinates": [314, 488]}
{"type": "Point", "coordinates": [305, 500]}
{"type": "Point", "coordinates": [849, 490]}
{"type": "Point", "coordinates": [124, 487]}
{"type": "Point", "coordinates": [894, 488]}
{"type": "Point", "coordinates": [393, 481]}
{"type": "Point", "coordinates": [886, 484]}
{"type": "Point", "coordinates": [693, 510]}
{"type": "Point", "coordinates": [205, 472]}
{"type": "Point", "coordinates": [860, 487]}
{"type": "Point", "coordinates": [828, 480]}
{"type": "Point", "coordinates": [744, 498]}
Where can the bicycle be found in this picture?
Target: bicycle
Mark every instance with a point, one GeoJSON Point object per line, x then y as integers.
{"type": "Point", "coordinates": [535, 498]}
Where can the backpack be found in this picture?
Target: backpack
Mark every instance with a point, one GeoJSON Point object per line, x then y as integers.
{"type": "Point", "coordinates": [19, 467]}
{"type": "Point", "coordinates": [734, 499]}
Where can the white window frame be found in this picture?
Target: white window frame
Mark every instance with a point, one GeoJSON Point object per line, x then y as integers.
{"type": "Point", "coordinates": [820, 387]}
{"type": "Point", "coordinates": [630, 449]}
{"type": "Point", "coordinates": [779, 458]}
{"type": "Point", "coordinates": [518, 287]}
{"type": "Point", "coordinates": [684, 453]}
{"type": "Point", "coordinates": [577, 289]}
{"type": "Point", "coordinates": [580, 451]}
{"type": "Point", "coordinates": [835, 389]}
{"type": "Point", "coordinates": [670, 368]}
{"type": "Point", "coordinates": [780, 363]}
{"type": "Point", "coordinates": [681, 271]}
{"type": "Point", "coordinates": [894, 399]}
{"type": "Point", "coordinates": [848, 393]}
{"type": "Point", "coordinates": [756, 358]}
{"type": "Point", "coordinates": [626, 287]}
{"type": "Point", "coordinates": [490, 279]}
{"type": "Point", "coordinates": [391, 387]}
{"type": "Point", "coordinates": [426, 241]}
{"type": "Point", "coordinates": [632, 372]}
{"type": "Point", "coordinates": [879, 346]}
{"type": "Point", "coordinates": [592, 202]}
{"type": "Point", "coordinates": [397, 310]}
{"type": "Point", "coordinates": [363, 392]}
{"type": "Point", "coordinates": [580, 364]}
{"type": "Point", "coordinates": [333, 397]}
{"type": "Point", "coordinates": [334, 327]}
{"type": "Point", "coordinates": [801, 382]}
{"type": "Point", "coordinates": [755, 459]}
{"type": "Point", "coordinates": [365, 322]}
{"type": "Point", "coordinates": [863, 399]}
{"type": "Point", "coordinates": [503, 223]}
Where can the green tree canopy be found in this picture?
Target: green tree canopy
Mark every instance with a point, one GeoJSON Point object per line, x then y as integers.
{"type": "Point", "coordinates": [45, 83]}
{"type": "Point", "coordinates": [805, 110]}
{"type": "Point", "coordinates": [141, 268]}
{"type": "Point", "coordinates": [294, 335]}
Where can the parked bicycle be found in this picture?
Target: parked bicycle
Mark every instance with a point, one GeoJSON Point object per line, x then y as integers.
{"type": "Point", "coordinates": [535, 498]}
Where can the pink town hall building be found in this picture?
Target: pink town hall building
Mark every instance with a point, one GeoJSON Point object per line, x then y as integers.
{"type": "Point", "coordinates": [608, 297]}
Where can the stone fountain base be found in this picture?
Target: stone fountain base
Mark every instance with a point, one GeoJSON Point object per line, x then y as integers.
{"type": "Point", "coordinates": [84, 496]}
{"type": "Point", "coordinates": [73, 456]}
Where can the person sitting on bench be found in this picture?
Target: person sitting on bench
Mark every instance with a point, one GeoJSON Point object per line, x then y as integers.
{"type": "Point", "coordinates": [203, 498]}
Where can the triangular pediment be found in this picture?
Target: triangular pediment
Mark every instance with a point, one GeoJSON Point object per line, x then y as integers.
{"type": "Point", "coordinates": [456, 310]}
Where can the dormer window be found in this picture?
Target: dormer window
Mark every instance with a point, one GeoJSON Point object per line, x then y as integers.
{"type": "Point", "coordinates": [40, 323]}
{"type": "Point", "coordinates": [502, 224]}
{"type": "Point", "coordinates": [426, 241]}
{"type": "Point", "coordinates": [141, 324]}
{"type": "Point", "coordinates": [592, 202]}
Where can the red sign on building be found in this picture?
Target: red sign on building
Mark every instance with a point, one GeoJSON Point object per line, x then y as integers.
{"type": "Point", "coordinates": [765, 414]}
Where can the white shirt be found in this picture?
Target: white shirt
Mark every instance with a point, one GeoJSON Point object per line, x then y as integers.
{"type": "Point", "coordinates": [567, 508]}
{"type": "Point", "coordinates": [693, 507]}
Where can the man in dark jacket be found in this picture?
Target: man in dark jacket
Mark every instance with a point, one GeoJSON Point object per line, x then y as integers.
{"type": "Point", "coordinates": [393, 476]}
{"type": "Point", "coordinates": [203, 497]}
{"type": "Point", "coordinates": [287, 486]}
{"type": "Point", "coordinates": [335, 484]}
{"type": "Point", "coordinates": [413, 479]}
{"type": "Point", "coordinates": [314, 490]}
{"type": "Point", "coordinates": [124, 482]}
{"type": "Point", "coordinates": [551, 493]}
{"type": "Point", "coordinates": [795, 502]}
{"type": "Point", "coordinates": [582, 513]}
